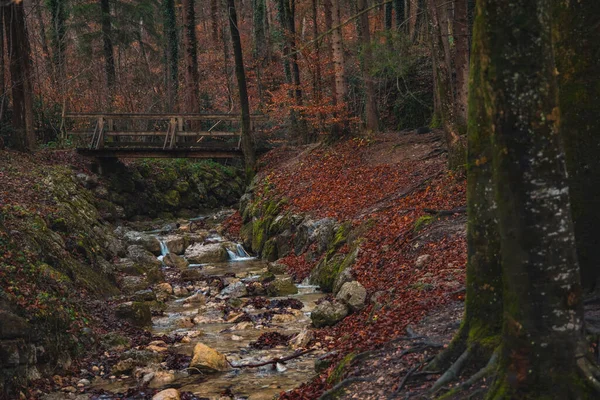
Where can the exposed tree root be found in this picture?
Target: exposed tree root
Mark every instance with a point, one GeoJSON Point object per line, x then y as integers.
{"type": "Point", "coordinates": [488, 370]}
{"type": "Point", "coordinates": [409, 374]}
{"type": "Point", "coordinates": [452, 373]}
{"type": "Point", "coordinates": [590, 372]}
{"type": "Point", "coordinates": [335, 391]}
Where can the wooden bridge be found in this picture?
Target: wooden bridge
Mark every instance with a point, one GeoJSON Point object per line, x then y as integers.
{"type": "Point", "coordinates": [161, 135]}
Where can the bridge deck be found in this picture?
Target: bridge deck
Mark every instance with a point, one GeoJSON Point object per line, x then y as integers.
{"type": "Point", "coordinates": [164, 136]}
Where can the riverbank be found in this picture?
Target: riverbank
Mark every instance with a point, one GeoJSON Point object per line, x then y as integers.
{"type": "Point", "coordinates": [384, 212]}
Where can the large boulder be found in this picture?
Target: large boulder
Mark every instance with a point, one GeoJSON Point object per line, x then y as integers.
{"type": "Point", "coordinates": [344, 277]}
{"type": "Point", "coordinates": [137, 313]}
{"type": "Point", "coordinates": [142, 257]}
{"type": "Point", "coordinates": [200, 253]}
{"type": "Point", "coordinates": [174, 261]}
{"type": "Point", "coordinates": [328, 313]}
{"type": "Point", "coordinates": [12, 326]}
{"type": "Point", "coordinates": [207, 360]}
{"type": "Point", "coordinates": [352, 294]}
{"type": "Point", "coordinates": [281, 287]}
{"type": "Point", "coordinates": [148, 242]}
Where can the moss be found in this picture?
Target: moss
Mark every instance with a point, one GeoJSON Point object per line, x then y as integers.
{"type": "Point", "coordinates": [422, 222]}
{"type": "Point", "coordinates": [328, 269]}
{"type": "Point", "coordinates": [269, 251]}
{"type": "Point", "coordinates": [338, 372]}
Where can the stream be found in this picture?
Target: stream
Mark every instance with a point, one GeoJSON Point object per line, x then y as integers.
{"type": "Point", "coordinates": [228, 322]}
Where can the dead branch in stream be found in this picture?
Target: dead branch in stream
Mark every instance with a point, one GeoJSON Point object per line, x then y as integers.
{"type": "Point", "coordinates": [273, 361]}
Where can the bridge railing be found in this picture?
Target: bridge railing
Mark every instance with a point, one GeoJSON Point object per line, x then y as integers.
{"type": "Point", "coordinates": [167, 127]}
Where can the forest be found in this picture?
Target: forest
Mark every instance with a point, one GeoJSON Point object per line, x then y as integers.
{"type": "Point", "coordinates": [299, 199]}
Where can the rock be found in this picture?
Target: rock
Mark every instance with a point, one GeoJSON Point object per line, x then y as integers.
{"type": "Point", "coordinates": [266, 277]}
{"type": "Point", "coordinates": [174, 261]}
{"type": "Point", "coordinates": [283, 318]}
{"type": "Point", "coordinates": [422, 260]}
{"type": "Point", "coordinates": [132, 284]}
{"type": "Point", "coordinates": [175, 243]}
{"type": "Point", "coordinates": [148, 242]}
{"type": "Point", "coordinates": [353, 294]}
{"type": "Point", "coordinates": [141, 256]}
{"type": "Point", "coordinates": [12, 326]}
{"type": "Point", "coordinates": [281, 287]}
{"type": "Point", "coordinates": [302, 339]}
{"type": "Point", "coordinates": [344, 277]}
{"type": "Point", "coordinates": [191, 275]}
{"type": "Point", "coordinates": [180, 291]}
{"type": "Point", "coordinates": [135, 312]}
{"type": "Point", "coordinates": [164, 287]}
{"type": "Point", "coordinates": [144, 295]}
{"type": "Point", "coordinates": [87, 181]}
{"type": "Point", "coordinates": [83, 382]}
{"type": "Point", "coordinates": [124, 366]}
{"type": "Point", "coordinates": [282, 243]}
{"type": "Point", "coordinates": [328, 313]}
{"type": "Point", "coordinates": [208, 360]}
{"type": "Point", "coordinates": [200, 253]}
{"type": "Point", "coordinates": [167, 394]}
{"type": "Point", "coordinates": [196, 298]}
{"type": "Point", "coordinates": [162, 378]}
{"type": "Point", "coordinates": [235, 290]}
{"type": "Point", "coordinates": [184, 322]}
{"type": "Point", "coordinates": [277, 268]}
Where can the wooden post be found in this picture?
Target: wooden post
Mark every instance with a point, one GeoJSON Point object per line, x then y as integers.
{"type": "Point", "coordinates": [100, 143]}
{"type": "Point", "coordinates": [173, 124]}
{"type": "Point", "coordinates": [180, 123]}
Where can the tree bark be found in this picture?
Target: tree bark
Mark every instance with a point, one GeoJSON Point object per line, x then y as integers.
{"type": "Point", "coordinates": [400, 15]}
{"type": "Point", "coordinates": [461, 61]}
{"type": "Point", "coordinates": [338, 53]}
{"type": "Point", "coordinates": [190, 42]}
{"type": "Point", "coordinates": [388, 16]}
{"type": "Point", "coordinates": [480, 331]}
{"type": "Point", "coordinates": [372, 116]}
{"type": "Point", "coordinates": [247, 141]}
{"type": "Point", "coordinates": [109, 57]}
{"type": "Point", "coordinates": [543, 314]}
{"type": "Point", "coordinates": [171, 52]}
{"type": "Point", "coordinates": [20, 73]}
{"type": "Point", "coordinates": [577, 52]}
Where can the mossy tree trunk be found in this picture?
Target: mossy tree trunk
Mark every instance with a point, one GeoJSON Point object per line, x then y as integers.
{"type": "Point", "coordinates": [480, 331]}
{"type": "Point", "coordinates": [577, 50]}
{"type": "Point", "coordinates": [247, 140]}
{"type": "Point", "coordinates": [543, 315]}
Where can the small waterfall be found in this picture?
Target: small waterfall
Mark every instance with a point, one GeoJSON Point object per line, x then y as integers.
{"type": "Point", "coordinates": [164, 249]}
{"type": "Point", "coordinates": [240, 254]}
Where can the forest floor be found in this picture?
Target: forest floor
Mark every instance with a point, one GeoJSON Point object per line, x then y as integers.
{"type": "Point", "coordinates": [411, 261]}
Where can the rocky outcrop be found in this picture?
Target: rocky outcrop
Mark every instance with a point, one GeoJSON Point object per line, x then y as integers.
{"type": "Point", "coordinates": [207, 360]}
{"type": "Point", "coordinates": [200, 253]}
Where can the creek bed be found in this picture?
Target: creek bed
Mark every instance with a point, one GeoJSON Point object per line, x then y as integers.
{"type": "Point", "coordinates": [230, 338]}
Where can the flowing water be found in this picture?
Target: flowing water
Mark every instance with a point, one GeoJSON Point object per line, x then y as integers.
{"type": "Point", "coordinates": [232, 339]}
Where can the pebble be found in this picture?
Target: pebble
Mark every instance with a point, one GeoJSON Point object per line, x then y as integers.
{"type": "Point", "coordinates": [83, 382]}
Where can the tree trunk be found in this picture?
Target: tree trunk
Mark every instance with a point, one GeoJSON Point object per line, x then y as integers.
{"type": "Point", "coordinates": [192, 74]}
{"type": "Point", "coordinates": [214, 12]}
{"type": "Point", "coordinates": [338, 53]}
{"type": "Point", "coordinates": [372, 116]}
{"type": "Point", "coordinates": [50, 67]}
{"type": "Point", "coordinates": [247, 141]}
{"type": "Point", "coordinates": [444, 90]}
{"type": "Point", "coordinates": [577, 52]}
{"type": "Point", "coordinates": [3, 92]}
{"type": "Point", "coordinates": [290, 12]}
{"type": "Point", "coordinates": [388, 16]}
{"type": "Point", "coordinates": [543, 314]}
{"type": "Point", "coordinates": [58, 31]}
{"type": "Point", "coordinates": [109, 57]}
{"type": "Point", "coordinates": [20, 75]}
{"type": "Point", "coordinates": [172, 52]}
{"type": "Point", "coordinates": [400, 15]}
{"type": "Point", "coordinates": [317, 96]}
{"type": "Point", "coordinates": [260, 42]}
{"type": "Point", "coordinates": [480, 331]}
{"type": "Point", "coordinates": [461, 61]}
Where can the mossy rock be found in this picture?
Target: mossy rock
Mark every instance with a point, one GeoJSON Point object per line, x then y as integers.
{"type": "Point", "coordinates": [340, 370]}
{"type": "Point", "coordinates": [281, 287]}
{"type": "Point", "coordinates": [269, 252]}
{"type": "Point", "coordinates": [136, 312]}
